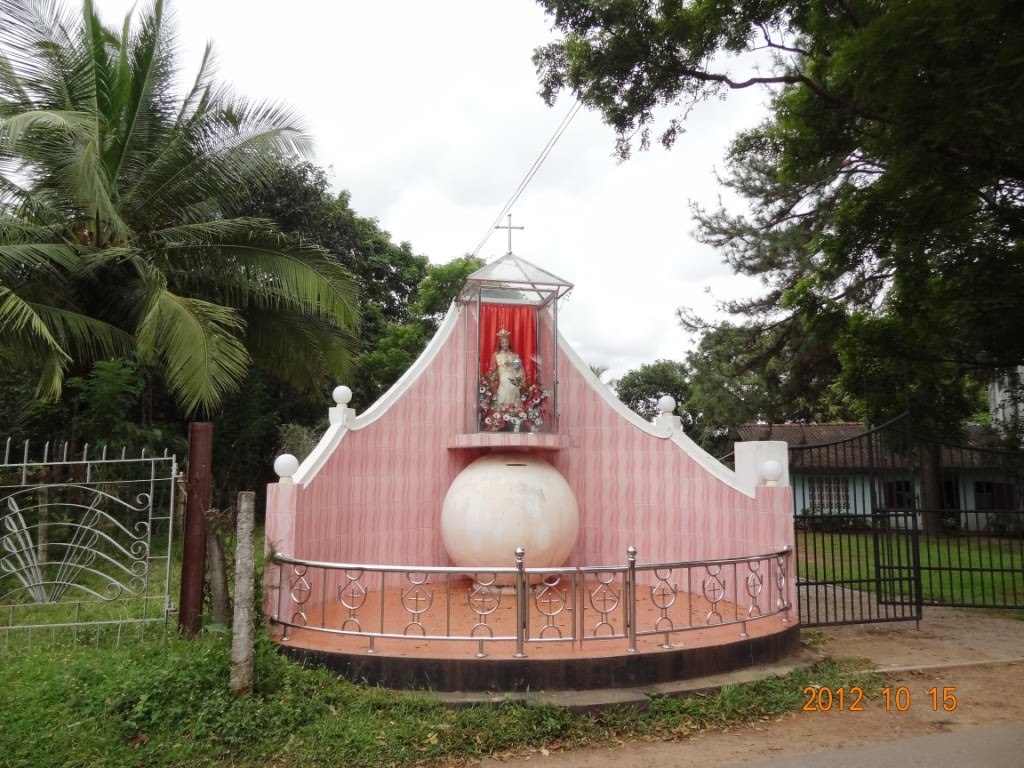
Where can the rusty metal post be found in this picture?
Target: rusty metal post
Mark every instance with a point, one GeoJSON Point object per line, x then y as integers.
{"type": "Point", "coordinates": [200, 460]}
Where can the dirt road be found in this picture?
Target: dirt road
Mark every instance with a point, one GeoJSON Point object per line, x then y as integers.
{"type": "Point", "coordinates": [968, 655]}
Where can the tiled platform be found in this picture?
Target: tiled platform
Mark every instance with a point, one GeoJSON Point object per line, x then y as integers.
{"type": "Point", "coordinates": [586, 662]}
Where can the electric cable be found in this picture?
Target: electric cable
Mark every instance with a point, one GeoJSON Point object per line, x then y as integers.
{"type": "Point", "coordinates": [562, 126]}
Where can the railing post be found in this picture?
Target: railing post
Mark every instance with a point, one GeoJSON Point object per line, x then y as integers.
{"type": "Point", "coordinates": [782, 582]}
{"type": "Point", "coordinates": [736, 599]}
{"type": "Point", "coordinates": [273, 566]}
{"type": "Point", "coordinates": [522, 610]}
{"type": "Point", "coordinates": [631, 600]}
{"type": "Point", "coordinates": [284, 605]}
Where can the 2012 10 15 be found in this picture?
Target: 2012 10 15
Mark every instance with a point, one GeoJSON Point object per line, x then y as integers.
{"type": "Point", "coordinates": [824, 698]}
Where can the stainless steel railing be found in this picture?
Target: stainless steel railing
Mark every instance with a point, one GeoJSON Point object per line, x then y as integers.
{"type": "Point", "coordinates": [579, 605]}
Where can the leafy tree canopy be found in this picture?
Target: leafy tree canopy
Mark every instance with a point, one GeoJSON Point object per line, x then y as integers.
{"type": "Point", "coordinates": [742, 373]}
{"type": "Point", "coordinates": [885, 191]}
{"type": "Point", "coordinates": [117, 237]}
{"type": "Point", "coordinates": [401, 343]}
{"type": "Point", "coordinates": [298, 199]}
{"type": "Point", "coordinates": [641, 389]}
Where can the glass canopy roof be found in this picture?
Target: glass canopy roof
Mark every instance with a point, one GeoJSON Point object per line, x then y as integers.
{"type": "Point", "coordinates": [514, 280]}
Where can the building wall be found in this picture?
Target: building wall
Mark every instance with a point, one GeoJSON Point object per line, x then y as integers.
{"type": "Point", "coordinates": [969, 519]}
{"type": "Point", "coordinates": [1003, 404]}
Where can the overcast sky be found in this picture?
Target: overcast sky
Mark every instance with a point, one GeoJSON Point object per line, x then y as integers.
{"type": "Point", "coordinates": [428, 113]}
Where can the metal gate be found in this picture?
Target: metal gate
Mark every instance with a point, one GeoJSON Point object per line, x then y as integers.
{"type": "Point", "coordinates": [856, 528]}
{"type": "Point", "coordinates": [85, 546]}
{"type": "Point", "coordinates": [888, 522]}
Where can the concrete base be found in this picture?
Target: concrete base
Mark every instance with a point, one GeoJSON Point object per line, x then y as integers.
{"type": "Point", "coordinates": [503, 675]}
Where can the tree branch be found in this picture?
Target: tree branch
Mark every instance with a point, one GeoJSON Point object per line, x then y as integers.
{"type": "Point", "coordinates": [849, 14]}
{"type": "Point", "coordinates": [711, 77]}
{"type": "Point", "coordinates": [769, 43]}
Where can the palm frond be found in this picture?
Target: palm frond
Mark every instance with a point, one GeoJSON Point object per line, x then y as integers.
{"type": "Point", "coordinates": [15, 127]}
{"type": "Point", "coordinates": [12, 93]}
{"type": "Point", "coordinates": [51, 375]}
{"type": "Point", "coordinates": [144, 106]}
{"type": "Point", "coordinates": [312, 357]}
{"type": "Point", "coordinates": [91, 262]}
{"type": "Point", "coordinates": [199, 93]}
{"type": "Point", "coordinates": [43, 260]}
{"type": "Point", "coordinates": [41, 49]}
{"type": "Point", "coordinates": [87, 338]}
{"type": "Point", "coordinates": [20, 319]}
{"type": "Point", "coordinates": [198, 345]}
{"type": "Point", "coordinates": [220, 152]}
{"type": "Point", "coordinates": [263, 267]}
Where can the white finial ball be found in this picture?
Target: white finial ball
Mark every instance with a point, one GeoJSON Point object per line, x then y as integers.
{"type": "Point", "coordinates": [286, 465]}
{"type": "Point", "coordinates": [771, 471]}
{"type": "Point", "coordinates": [342, 395]}
{"type": "Point", "coordinates": [667, 404]}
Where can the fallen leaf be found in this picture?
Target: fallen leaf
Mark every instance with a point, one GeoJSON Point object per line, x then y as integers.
{"type": "Point", "coordinates": [138, 741]}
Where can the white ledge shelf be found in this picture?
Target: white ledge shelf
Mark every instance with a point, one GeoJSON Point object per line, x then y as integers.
{"type": "Point", "coordinates": [537, 440]}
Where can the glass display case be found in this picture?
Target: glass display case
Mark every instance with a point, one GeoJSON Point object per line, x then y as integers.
{"type": "Point", "coordinates": [513, 306]}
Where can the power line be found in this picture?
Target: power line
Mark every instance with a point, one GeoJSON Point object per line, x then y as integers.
{"type": "Point", "coordinates": [532, 172]}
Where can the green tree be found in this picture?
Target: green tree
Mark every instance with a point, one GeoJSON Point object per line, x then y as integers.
{"type": "Point", "coordinates": [116, 233]}
{"type": "Point", "coordinates": [298, 199]}
{"type": "Point", "coordinates": [440, 287]}
{"type": "Point", "coordinates": [641, 389]}
{"type": "Point", "coordinates": [401, 343]}
{"type": "Point", "coordinates": [753, 371]}
{"type": "Point", "coordinates": [885, 191]}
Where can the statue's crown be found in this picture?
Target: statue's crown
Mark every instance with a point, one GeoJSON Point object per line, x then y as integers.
{"type": "Point", "coordinates": [504, 333]}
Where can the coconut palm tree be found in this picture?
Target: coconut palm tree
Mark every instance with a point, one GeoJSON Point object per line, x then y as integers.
{"type": "Point", "coordinates": [116, 232]}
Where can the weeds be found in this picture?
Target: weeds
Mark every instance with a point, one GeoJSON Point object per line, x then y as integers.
{"type": "Point", "coordinates": [168, 704]}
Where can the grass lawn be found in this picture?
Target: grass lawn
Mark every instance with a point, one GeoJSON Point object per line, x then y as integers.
{"type": "Point", "coordinates": [959, 570]}
{"type": "Point", "coordinates": [167, 703]}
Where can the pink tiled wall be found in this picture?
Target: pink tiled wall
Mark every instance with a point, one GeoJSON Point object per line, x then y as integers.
{"type": "Point", "coordinates": [378, 497]}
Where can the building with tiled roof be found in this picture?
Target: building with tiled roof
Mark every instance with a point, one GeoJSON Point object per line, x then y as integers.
{"type": "Point", "coordinates": [843, 468]}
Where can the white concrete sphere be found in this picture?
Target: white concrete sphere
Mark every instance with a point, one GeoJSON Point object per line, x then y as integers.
{"type": "Point", "coordinates": [506, 500]}
{"type": "Point", "coordinates": [342, 395]}
{"type": "Point", "coordinates": [771, 471]}
{"type": "Point", "coordinates": [286, 465]}
{"type": "Point", "coordinates": [667, 404]}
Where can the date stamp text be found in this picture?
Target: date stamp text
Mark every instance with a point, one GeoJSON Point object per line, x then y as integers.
{"type": "Point", "coordinates": [894, 699]}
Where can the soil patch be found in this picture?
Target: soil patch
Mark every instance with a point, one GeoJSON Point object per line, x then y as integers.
{"type": "Point", "coordinates": [976, 653]}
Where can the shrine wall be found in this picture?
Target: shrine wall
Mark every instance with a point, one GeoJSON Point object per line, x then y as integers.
{"type": "Point", "coordinates": [376, 495]}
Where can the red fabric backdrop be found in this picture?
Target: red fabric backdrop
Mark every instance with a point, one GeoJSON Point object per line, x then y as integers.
{"type": "Point", "coordinates": [522, 324]}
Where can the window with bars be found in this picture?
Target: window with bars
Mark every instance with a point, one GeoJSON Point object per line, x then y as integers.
{"type": "Point", "coordinates": [898, 494]}
{"type": "Point", "coordinates": [829, 494]}
{"type": "Point", "coordinates": [994, 496]}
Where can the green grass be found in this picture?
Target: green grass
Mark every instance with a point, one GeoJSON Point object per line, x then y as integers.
{"type": "Point", "coordinates": [102, 622]}
{"type": "Point", "coordinates": [957, 570]}
{"type": "Point", "coordinates": [168, 704]}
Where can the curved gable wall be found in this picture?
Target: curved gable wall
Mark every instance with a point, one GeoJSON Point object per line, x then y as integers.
{"type": "Point", "coordinates": [373, 490]}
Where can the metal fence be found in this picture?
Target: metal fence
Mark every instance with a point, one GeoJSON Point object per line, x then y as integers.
{"type": "Point", "coordinates": [85, 545]}
{"type": "Point", "coordinates": [888, 522]}
{"type": "Point", "coordinates": [623, 604]}
{"type": "Point", "coordinates": [971, 546]}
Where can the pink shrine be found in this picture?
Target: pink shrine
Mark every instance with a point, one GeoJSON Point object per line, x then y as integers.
{"type": "Point", "coordinates": [499, 389]}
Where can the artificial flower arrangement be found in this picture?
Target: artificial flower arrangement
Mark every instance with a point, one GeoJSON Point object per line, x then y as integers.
{"type": "Point", "coordinates": [527, 416]}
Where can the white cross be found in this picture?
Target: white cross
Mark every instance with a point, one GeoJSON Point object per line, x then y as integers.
{"type": "Point", "coordinates": [509, 227]}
